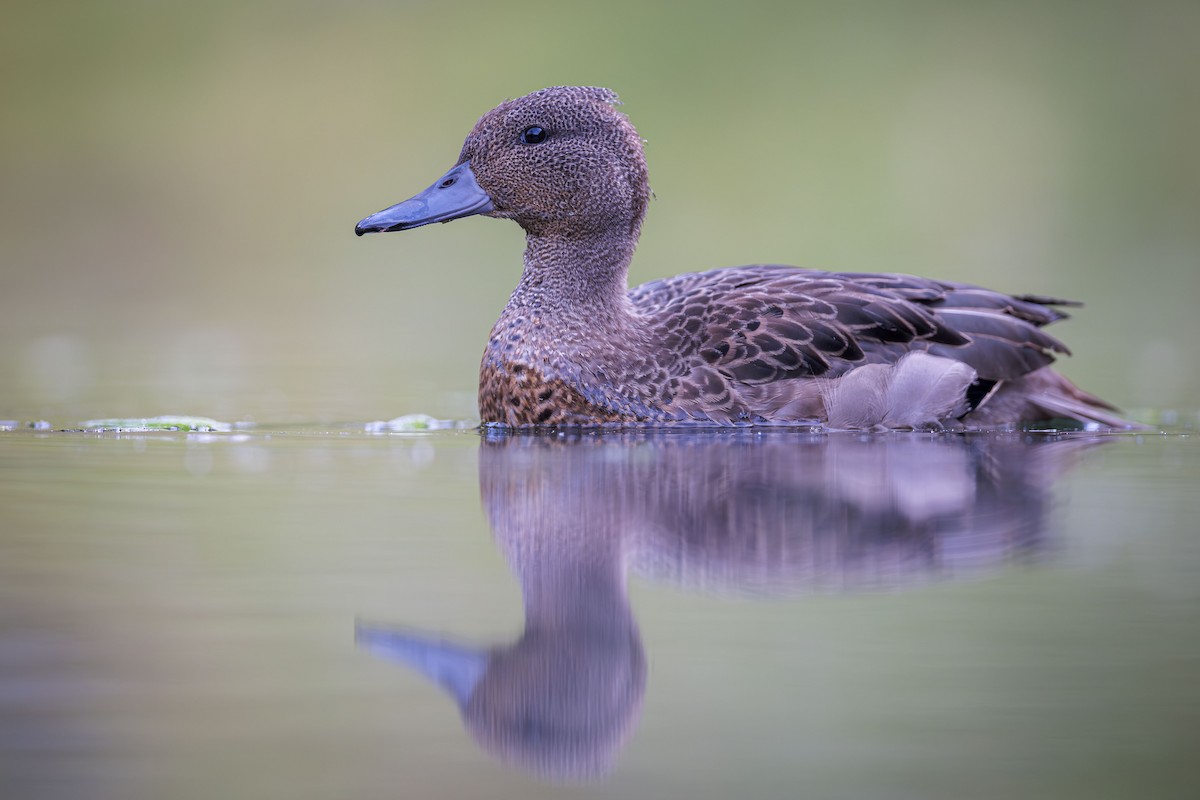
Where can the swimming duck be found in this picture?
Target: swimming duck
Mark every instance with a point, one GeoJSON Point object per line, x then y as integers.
{"type": "Point", "coordinates": [741, 345]}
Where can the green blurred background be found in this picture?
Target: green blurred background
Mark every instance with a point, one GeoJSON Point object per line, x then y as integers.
{"type": "Point", "coordinates": [179, 181]}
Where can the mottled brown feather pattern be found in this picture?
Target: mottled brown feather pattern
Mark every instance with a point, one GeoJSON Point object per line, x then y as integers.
{"type": "Point", "coordinates": [516, 395]}
{"type": "Point", "coordinates": [743, 344]}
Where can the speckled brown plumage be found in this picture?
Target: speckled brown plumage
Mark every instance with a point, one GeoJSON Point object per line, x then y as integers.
{"type": "Point", "coordinates": [516, 395]}
{"type": "Point", "coordinates": [762, 343]}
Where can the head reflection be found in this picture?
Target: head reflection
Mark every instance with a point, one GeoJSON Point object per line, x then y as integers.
{"type": "Point", "coordinates": [744, 512]}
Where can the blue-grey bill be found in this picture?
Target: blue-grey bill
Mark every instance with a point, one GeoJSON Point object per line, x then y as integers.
{"type": "Point", "coordinates": [456, 194]}
{"type": "Point", "coordinates": [457, 669]}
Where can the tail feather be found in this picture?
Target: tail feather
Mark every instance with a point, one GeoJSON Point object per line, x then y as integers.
{"type": "Point", "coordinates": [1044, 395]}
{"type": "Point", "coordinates": [1059, 405]}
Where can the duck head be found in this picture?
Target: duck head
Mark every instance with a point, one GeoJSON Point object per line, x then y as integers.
{"type": "Point", "coordinates": [560, 162]}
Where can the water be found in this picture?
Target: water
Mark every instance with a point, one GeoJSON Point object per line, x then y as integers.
{"type": "Point", "coordinates": [323, 613]}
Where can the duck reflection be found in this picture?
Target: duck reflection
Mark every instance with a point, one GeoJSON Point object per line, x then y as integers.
{"type": "Point", "coordinates": [741, 512]}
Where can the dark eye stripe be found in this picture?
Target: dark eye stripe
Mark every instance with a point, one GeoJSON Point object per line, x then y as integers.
{"type": "Point", "coordinates": [534, 134]}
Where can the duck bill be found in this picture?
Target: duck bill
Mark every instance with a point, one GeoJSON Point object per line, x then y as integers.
{"type": "Point", "coordinates": [455, 194]}
{"type": "Point", "coordinates": [455, 668]}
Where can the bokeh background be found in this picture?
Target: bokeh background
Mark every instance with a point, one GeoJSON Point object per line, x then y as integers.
{"type": "Point", "coordinates": [179, 181]}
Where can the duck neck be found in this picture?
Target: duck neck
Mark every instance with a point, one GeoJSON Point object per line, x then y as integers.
{"type": "Point", "coordinates": [572, 277]}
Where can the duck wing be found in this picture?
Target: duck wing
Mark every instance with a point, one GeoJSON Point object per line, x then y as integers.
{"type": "Point", "coordinates": [765, 323]}
{"type": "Point", "coordinates": [1003, 331]}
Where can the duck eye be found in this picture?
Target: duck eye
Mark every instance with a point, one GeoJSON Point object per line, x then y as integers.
{"type": "Point", "coordinates": [534, 134]}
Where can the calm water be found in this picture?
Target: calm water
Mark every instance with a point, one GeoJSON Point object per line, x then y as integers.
{"type": "Point", "coordinates": [326, 613]}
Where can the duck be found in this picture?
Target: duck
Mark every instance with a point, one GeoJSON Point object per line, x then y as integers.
{"type": "Point", "coordinates": [762, 344]}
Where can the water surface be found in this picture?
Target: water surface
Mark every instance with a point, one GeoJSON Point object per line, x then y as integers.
{"type": "Point", "coordinates": [316, 613]}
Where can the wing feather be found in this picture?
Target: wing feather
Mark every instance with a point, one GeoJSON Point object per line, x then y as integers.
{"type": "Point", "coordinates": [765, 323]}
